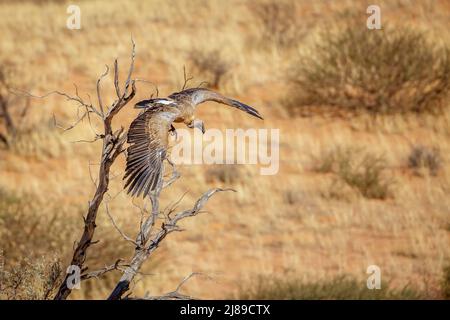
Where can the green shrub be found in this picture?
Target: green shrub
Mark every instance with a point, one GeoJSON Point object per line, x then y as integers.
{"type": "Point", "coordinates": [339, 288]}
{"type": "Point", "coordinates": [353, 69]}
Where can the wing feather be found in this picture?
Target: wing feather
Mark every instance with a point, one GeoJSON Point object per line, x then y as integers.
{"type": "Point", "coordinates": [197, 96]}
{"type": "Point", "coordinates": [148, 139]}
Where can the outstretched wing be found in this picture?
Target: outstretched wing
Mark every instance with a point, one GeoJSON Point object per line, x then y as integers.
{"type": "Point", "coordinates": [200, 95]}
{"type": "Point", "coordinates": [148, 139]}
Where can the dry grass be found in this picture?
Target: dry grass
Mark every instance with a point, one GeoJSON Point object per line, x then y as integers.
{"type": "Point", "coordinates": [37, 235]}
{"type": "Point", "coordinates": [229, 174]}
{"type": "Point", "coordinates": [30, 279]}
{"type": "Point", "coordinates": [210, 66]}
{"type": "Point", "coordinates": [42, 141]}
{"type": "Point", "coordinates": [278, 23]}
{"type": "Point", "coordinates": [274, 224]}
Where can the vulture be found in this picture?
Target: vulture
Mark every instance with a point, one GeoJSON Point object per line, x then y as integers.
{"type": "Point", "coordinates": [148, 136]}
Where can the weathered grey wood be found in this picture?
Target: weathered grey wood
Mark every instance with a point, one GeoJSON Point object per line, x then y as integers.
{"type": "Point", "coordinates": [148, 245]}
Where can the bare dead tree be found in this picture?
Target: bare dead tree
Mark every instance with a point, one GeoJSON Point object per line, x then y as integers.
{"type": "Point", "coordinates": [113, 142]}
{"type": "Point", "coordinates": [149, 237]}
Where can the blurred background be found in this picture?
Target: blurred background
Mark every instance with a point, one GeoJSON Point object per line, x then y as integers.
{"type": "Point", "coordinates": [364, 125]}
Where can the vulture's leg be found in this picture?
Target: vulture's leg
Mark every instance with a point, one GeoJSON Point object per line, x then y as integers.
{"type": "Point", "coordinates": [197, 123]}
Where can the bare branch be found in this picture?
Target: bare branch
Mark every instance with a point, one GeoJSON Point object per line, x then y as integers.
{"type": "Point", "coordinates": [130, 71]}
{"type": "Point", "coordinates": [127, 238]}
{"type": "Point", "coordinates": [88, 141]}
{"type": "Point", "coordinates": [147, 245]}
{"type": "Point", "coordinates": [99, 96]}
{"type": "Point", "coordinates": [173, 295]}
{"type": "Point", "coordinates": [186, 79]}
{"type": "Point", "coordinates": [24, 111]}
{"type": "Point", "coordinates": [197, 207]}
{"type": "Point", "coordinates": [203, 83]}
{"type": "Point", "coordinates": [173, 178]}
{"type": "Point", "coordinates": [116, 79]}
{"type": "Point", "coordinates": [193, 274]}
{"type": "Point", "coordinates": [90, 175]}
{"type": "Point", "coordinates": [173, 206]}
{"type": "Point", "coordinates": [99, 273]}
{"type": "Point", "coordinates": [73, 125]}
{"type": "Point", "coordinates": [75, 98]}
{"type": "Point", "coordinates": [153, 84]}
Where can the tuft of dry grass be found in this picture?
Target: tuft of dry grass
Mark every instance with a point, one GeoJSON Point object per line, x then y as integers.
{"type": "Point", "coordinates": [333, 160]}
{"type": "Point", "coordinates": [359, 170]}
{"type": "Point", "coordinates": [228, 174]}
{"type": "Point", "coordinates": [279, 24]}
{"type": "Point", "coordinates": [367, 177]}
{"type": "Point", "coordinates": [422, 157]}
{"type": "Point", "coordinates": [292, 197]}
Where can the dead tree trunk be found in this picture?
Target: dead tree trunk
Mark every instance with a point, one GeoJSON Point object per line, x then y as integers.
{"type": "Point", "coordinates": [112, 146]}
